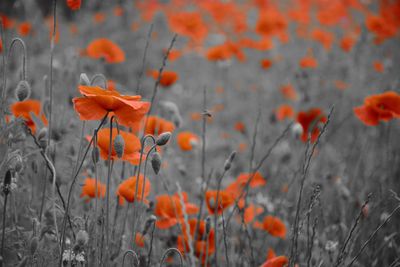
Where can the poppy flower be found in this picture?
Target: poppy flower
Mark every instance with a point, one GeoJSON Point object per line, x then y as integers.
{"type": "Point", "coordinates": [251, 212]}
{"type": "Point", "coordinates": [1, 46]}
{"type": "Point", "coordinates": [174, 54]}
{"type": "Point", "coordinates": [189, 24]}
{"type": "Point", "coordinates": [378, 66]}
{"type": "Point", "coordinates": [187, 140]}
{"type": "Point", "coordinates": [107, 49]}
{"type": "Point", "coordinates": [24, 28]}
{"type": "Point", "coordinates": [308, 62]}
{"type": "Point", "coordinates": [201, 243]}
{"type": "Point", "coordinates": [274, 226]}
{"type": "Point", "coordinates": [8, 23]}
{"type": "Point", "coordinates": [271, 22]}
{"type": "Point", "coordinates": [96, 102]}
{"type": "Point", "coordinates": [341, 85]}
{"type": "Point", "coordinates": [25, 108]}
{"type": "Point", "coordinates": [139, 240]}
{"type": "Point", "coordinates": [240, 127]}
{"type": "Point", "coordinates": [99, 17]}
{"type": "Point", "coordinates": [279, 261]}
{"type": "Point", "coordinates": [309, 121]}
{"type": "Point", "coordinates": [284, 112]}
{"type": "Point", "coordinates": [225, 200]}
{"type": "Point", "coordinates": [131, 148]}
{"type": "Point", "coordinates": [385, 106]}
{"type": "Point", "coordinates": [266, 64]}
{"type": "Point", "coordinates": [167, 79]}
{"type": "Point", "coordinates": [270, 254]}
{"type": "Point", "coordinates": [89, 189]}
{"type": "Point", "coordinates": [323, 37]}
{"type": "Point", "coordinates": [74, 4]}
{"type": "Point", "coordinates": [169, 210]}
{"type": "Point", "coordinates": [289, 92]}
{"type": "Point", "coordinates": [381, 27]}
{"type": "Point", "coordinates": [347, 43]}
{"type": "Point", "coordinates": [127, 189]}
{"type": "Point", "coordinates": [156, 125]}
{"type": "Point", "coordinates": [118, 11]}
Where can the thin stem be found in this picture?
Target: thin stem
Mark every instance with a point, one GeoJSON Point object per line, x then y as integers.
{"type": "Point", "coordinates": [217, 206]}
{"type": "Point", "coordinates": [144, 59]}
{"type": "Point", "coordinates": [4, 226]}
{"type": "Point", "coordinates": [172, 250]}
{"type": "Point", "coordinates": [133, 253]}
{"type": "Point", "coordinates": [151, 244]}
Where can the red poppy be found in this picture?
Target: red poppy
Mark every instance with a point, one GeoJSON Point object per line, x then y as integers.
{"type": "Point", "coordinates": [189, 24]}
{"type": "Point", "coordinates": [284, 112]}
{"type": "Point", "coordinates": [266, 63]}
{"type": "Point", "coordinates": [24, 28]}
{"type": "Point", "coordinates": [347, 43]}
{"type": "Point", "coordinates": [378, 66]}
{"type": "Point", "coordinates": [251, 212]}
{"type": "Point", "coordinates": [274, 226]}
{"type": "Point", "coordinates": [25, 108]}
{"type": "Point", "coordinates": [107, 49]}
{"type": "Point", "coordinates": [74, 4]}
{"type": "Point", "coordinates": [127, 189]}
{"type": "Point", "coordinates": [156, 125]}
{"type": "Point", "coordinates": [279, 261]}
{"type": "Point", "coordinates": [89, 189]}
{"type": "Point", "coordinates": [308, 62]}
{"type": "Point", "coordinates": [225, 200]}
{"type": "Point", "coordinates": [96, 102]}
{"type": "Point", "coordinates": [167, 79]}
{"type": "Point", "coordinates": [289, 92]}
{"type": "Point", "coordinates": [187, 140]}
{"type": "Point", "coordinates": [309, 121]}
{"type": "Point", "coordinates": [385, 106]}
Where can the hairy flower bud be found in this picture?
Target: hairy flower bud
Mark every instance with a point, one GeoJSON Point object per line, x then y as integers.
{"type": "Point", "coordinates": [163, 138]}
{"type": "Point", "coordinates": [95, 154]}
{"type": "Point", "coordinates": [228, 162]}
{"type": "Point", "coordinates": [23, 90]}
{"type": "Point", "coordinates": [7, 182]}
{"type": "Point", "coordinates": [156, 162]}
{"type": "Point", "coordinates": [119, 145]}
{"type": "Point", "coordinates": [208, 225]}
{"type": "Point", "coordinates": [84, 79]}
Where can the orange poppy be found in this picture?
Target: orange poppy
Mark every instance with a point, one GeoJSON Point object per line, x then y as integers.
{"type": "Point", "coordinates": [1, 46]}
{"type": "Point", "coordinates": [99, 17]}
{"type": "Point", "coordinates": [89, 189]}
{"type": "Point", "coordinates": [240, 127]}
{"type": "Point", "coordinates": [323, 37]}
{"type": "Point", "coordinates": [167, 79]}
{"type": "Point", "coordinates": [118, 11]}
{"type": "Point", "coordinates": [25, 108]}
{"type": "Point", "coordinates": [279, 261]}
{"type": "Point", "coordinates": [381, 27]}
{"type": "Point", "coordinates": [270, 254]}
{"type": "Point", "coordinates": [189, 24]}
{"type": "Point", "coordinates": [173, 55]}
{"type": "Point", "coordinates": [266, 63]}
{"type": "Point", "coordinates": [289, 92]}
{"type": "Point", "coordinates": [341, 85]}
{"type": "Point", "coordinates": [378, 66]}
{"type": "Point", "coordinates": [309, 121]}
{"type": "Point", "coordinates": [271, 22]}
{"type": "Point", "coordinates": [274, 226]}
{"type": "Point", "coordinates": [131, 147]}
{"type": "Point", "coordinates": [74, 4]}
{"type": "Point", "coordinates": [308, 62]}
{"type": "Point", "coordinates": [8, 23]}
{"type": "Point", "coordinates": [347, 43]}
{"type": "Point", "coordinates": [127, 189]}
{"type": "Point", "coordinates": [169, 210]}
{"type": "Point", "coordinates": [96, 102]}
{"type": "Point", "coordinates": [251, 212]}
{"type": "Point", "coordinates": [187, 140]}
{"type": "Point", "coordinates": [157, 125]}
{"type": "Point", "coordinates": [107, 49]}
{"type": "Point", "coordinates": [24, 28]}
{"type": "Point", "coordinates": [385, 106]}
{"type": "Point", "coordinates": [139, 240]}
{"type": "Point", "coordinates": [284, 112]}
{"type": "Point", "coordinates": [225, 200]}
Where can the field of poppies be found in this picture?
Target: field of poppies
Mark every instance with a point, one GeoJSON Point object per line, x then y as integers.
{"type": "Point", "coordinates": [200, 133]}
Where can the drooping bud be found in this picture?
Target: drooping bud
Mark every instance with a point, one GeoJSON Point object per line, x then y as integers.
{"type": "Point", "coordinates": [84, 79]}
{"type": "Point", "coordinates": [119, 145]}
{"type": "Point", "coordinates": [95, 154]}
{"type": "Point", "coordinates": [156, 162]}
{"type": "Point", "coordinates": [163, 138]}
{"type": "Point", "coordinates": [23, 90]}
{"type": "Point", "coordinates": [228, 162]}
{"type": "Point", "coordinates": [7, 183]}
{"type": "Point", "coordinates": [33, 245]}
{"type": "Point", "coordinates": [297, 130]}
{"type": "Point", "coordinates": [82, 238]}
{"type": "Point", "coordinates": [152, 219]}
{"type": "Point", "coordinates": [42, 137]}
{"type": "Point", "coordinates": [208, 225]}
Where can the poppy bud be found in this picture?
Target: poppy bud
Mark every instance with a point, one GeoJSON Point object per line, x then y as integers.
{"type": "Point", "coordinates": [119, 145]}
{"type": "Point", "coordinates": [163, 138]}
{"type": "Point", "coordinates": [33, 245]}
{"type": "Point", "coordinates": [84, 79]}
{"type": "Point", "coordinates": [42, 134]}
{"type": "Point", "coordinates": [228, 162]}
{"type": "Point", "coordinates": [7, 183]}
{"type": "Point", "coordinates": [82, 238]}
{"type": "Point", "coordinates": [148, 223]}
{"type": "Point", "coordinates": [23, 90]}
{"type": "Point", "coordinates": [297, 130]}
{"type": "Point", "coordinates": [95, 154]}
{"type": "Point", "coordinates": [156, 162]}
{"type": "Point", "coordinates": [208, 225]}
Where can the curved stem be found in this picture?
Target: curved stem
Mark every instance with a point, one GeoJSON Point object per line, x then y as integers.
{"type": "Point", "coordinates": [134, 254]}
{"type": "Point", "coordinates": [101, 76]}
{"type": "Point", "coordinates": [167, 252]}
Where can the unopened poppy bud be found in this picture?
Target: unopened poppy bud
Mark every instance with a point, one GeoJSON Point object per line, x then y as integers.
{"type": "Point", "coordinates": [95, 154]}
{"type": "Point", "coordinates": [23, 90]}
{"type": "Point", "coordinates": [82, 238]}
{"type": "Point", "coordinates": [228, 162]}
{"type": "Point", "coordinates": [297, 130]}
{"type": "Point", "coordinates": [119, 145]}
{"type": "Point", "coordinates": [33, 245]}
{"type": "Point", "coordinates": [152, 219]}
{"type": "Point", "coordinates": [208, 225]}
{"type": "Point", "coordinates": [84, 79]}
{"type": "Point", "coordinates": [42, 133]}
{"type": "Point", "coordinates": [156, 162]}
{"type": "Point", "coordinates": [7, 183]}
{"type": "Point", "coordinates": [163, 138]}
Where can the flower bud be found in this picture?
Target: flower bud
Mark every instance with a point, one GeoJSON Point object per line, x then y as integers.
{"type": "Point", "coordinates": [163, 138]}
{"type": "Point", "coordinates": [297, 130]}
{"type": "Point", "coordinates": [152, 219]}
{"type": "Point", "coordinates": [84, 79]}
{"type": "Point", "coordinates": [208, 225]}
{"type": "Point", "coordinates": [95, 154]}
{"type": "Point", "coordinates": [7, 183]}
{"type": "Point", "coordinates": [228, 162]}
{"type": "Point", "coordinates": [156, 162]}
{"type": "Point", "coordinates": [119, 145]}
{"type": "Point", "coordinates": [42, 133]}
{"type": "Point", "coordinates": [23, 90]}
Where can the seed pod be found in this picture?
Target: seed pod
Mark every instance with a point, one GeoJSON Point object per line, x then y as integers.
{"type": "Point", "coordinates": [82, 238]}
{"type": "Point", "coordinates": [208, 225]}
{"type": "Point", "coordinates": [156, 162]}
{"type": "Point", "coordinates": [42, 133]}
{"type": "Point", "coordinates": [228, 162]}
{"type": "Point", "coordinates": [119, 145]}
{"type": "Point", "coordinates": [148, 223]}
{"type": "Point", "coordinates": [163, 138]}
{"type": "Point", "coordinates": [84, 79]}
{"type": "Point", "coordinates": [95, 154]}
{"type": "Point", "coordinates": [23, 90]}
{"type": "Point", "coordinates": [297, 130]}
{"type": "Point", "coordinates": [33, 245]}
{"type": "Point", "coordinates": [7, 183]}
